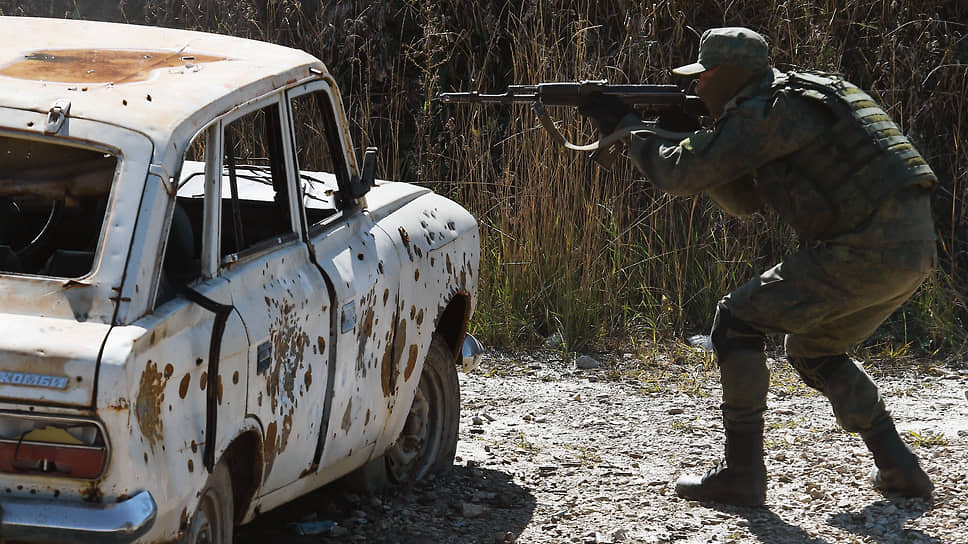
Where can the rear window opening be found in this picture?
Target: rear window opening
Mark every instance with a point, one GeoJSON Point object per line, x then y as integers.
{"type": "Point", "coordinates": [53, 199]}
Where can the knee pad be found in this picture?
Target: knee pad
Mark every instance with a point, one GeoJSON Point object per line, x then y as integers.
{"type": "Point", "coordinates": [731, 334]}
{"type": "Point", "coordinates": [815, 371]}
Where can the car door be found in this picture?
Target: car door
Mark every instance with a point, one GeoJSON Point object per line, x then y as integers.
{"type": "Point", "coordinates": [362, 264]}
{"type": "Point", "coordinates": [277, 289]}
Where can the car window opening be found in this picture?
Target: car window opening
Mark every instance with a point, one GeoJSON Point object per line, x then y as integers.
{"type": "Point", "coordinates": [53, 199]}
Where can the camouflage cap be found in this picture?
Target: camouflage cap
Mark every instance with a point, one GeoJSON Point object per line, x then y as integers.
{"type": "Point", "coordinates": [735, 45]}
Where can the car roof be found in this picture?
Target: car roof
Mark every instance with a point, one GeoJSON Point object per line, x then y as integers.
{"type": "Point", "coordinates": [150, 79]}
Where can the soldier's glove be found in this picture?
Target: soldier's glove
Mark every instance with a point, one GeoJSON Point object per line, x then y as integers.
{"type": "Point", "coordinates": [605, 112]}
{"type": "Point", "coordinates": [679, 121]}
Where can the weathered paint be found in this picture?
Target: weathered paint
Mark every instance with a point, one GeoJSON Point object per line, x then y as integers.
{"type": "Point", "coordinates": [117, 66]}
{"type": "Point", "coordinates": [148, 403]}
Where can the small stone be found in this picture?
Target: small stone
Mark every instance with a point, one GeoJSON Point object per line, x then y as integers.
{"type": "Point", "coordinates": [471, 510]}
{"type": "Point", "coordinates": [505, 538]}
{"type": "Point", "coordinates": [477, 420]}
{"type": "Point", "coordinates": [619, 536]}
{"type": "Point", "coordinates": [674, 411]}
{"type": "Point", "coordinates": [555, 340]}
{"type": "Point", "coordinates": [586, 362]}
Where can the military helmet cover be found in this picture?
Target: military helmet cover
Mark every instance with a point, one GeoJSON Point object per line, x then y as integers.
{"type": "Point", "coordinates": [732, 45]}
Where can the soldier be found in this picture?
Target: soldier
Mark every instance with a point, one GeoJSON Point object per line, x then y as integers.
{"type": "Point", "coordinates": [826, 158]}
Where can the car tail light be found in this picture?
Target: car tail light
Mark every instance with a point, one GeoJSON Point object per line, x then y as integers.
{"type": "Point", "coordinates": [52, 446]}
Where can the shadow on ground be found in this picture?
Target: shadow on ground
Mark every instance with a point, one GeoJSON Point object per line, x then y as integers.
{"type": "Point", "coordinates": [884, 521]}
{"type": "Point", "coordinates": [466, 505]}
{"type": "Point", "coordinates": [768, 527]}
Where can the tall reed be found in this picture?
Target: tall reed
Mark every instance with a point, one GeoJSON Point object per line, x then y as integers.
{"type": "Point", "coordinates": [568, 246]}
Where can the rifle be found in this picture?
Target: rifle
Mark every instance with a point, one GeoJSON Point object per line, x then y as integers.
{"type": "Point", "coordinates": [652, 100]}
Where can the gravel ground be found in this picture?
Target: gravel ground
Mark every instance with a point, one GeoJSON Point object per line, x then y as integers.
{"type": "Point", "coordinates": [553, 453]}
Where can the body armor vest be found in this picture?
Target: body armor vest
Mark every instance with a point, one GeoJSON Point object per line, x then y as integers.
{"type": "Point", "coordinates": [835, 184]}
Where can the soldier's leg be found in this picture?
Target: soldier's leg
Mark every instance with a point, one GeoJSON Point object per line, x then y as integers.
{"type": "Point", "coordinates": [817, 353]}
{"type": "Point", "coordinates": [740, 478]}
{"type": "Point", "coordinates": [812, 287]}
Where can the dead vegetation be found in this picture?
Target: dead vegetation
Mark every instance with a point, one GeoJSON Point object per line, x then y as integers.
{"type": "Point", "coordinates": [568, 246]}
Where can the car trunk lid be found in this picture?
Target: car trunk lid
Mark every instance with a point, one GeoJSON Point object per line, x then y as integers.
{"type": "Point", "coordinates": [49, 361]}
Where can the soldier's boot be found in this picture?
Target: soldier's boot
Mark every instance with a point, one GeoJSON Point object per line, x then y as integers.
{"type": "Point", "coordinates": [897, 472]}
{"type": "Point", "coordinates": [859, 408]}
{"type": "Point", "coordinates": [738, 479]}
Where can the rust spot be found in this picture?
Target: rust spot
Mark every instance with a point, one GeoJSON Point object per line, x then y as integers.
{"type": "Point", "coordinates": [416, 275]}
{"type": "Point", "coordinates": [183, 386]}
{"type": "Point", "coordinates": [169, 370]}
{"type": "Point", "coordinates": [269, 447]}
{"type": "Point", "coordinates": [411, 362]}
{"type": "Point", "coordinates": [405, 238]}
{"type": "Point", "coordinates": [450, 267]}
{"type": "Point", "coordinates": [148, 406]}
{"type": "Point", "coordinates": [119, 405]}
{"type": "Point", "coordinates": [194, 447]}
{"type": "Point", "coordinates": [347, 417]}
{"type": "Point", "coordinates": [191, 466]}
{"type": "Point", "coordinates": [386, 296]}
{"type": "Point", "coordinates": [321, 342]}
{"type": "Point", "coordinates": [289, 343]}
{"type": "Point", "coordinates": [92, 493]}
{"type": "Point", "coordinates": [367, 420]}
{"type": "Point", "coordinates": [219, 394]}
{"type": "Point", "coordinates": [235, 378]}
{"type": "Point", "coordinates": [420, 317]}
{"type": "Point", "coordinates": [391, 359]}
{"type": "Point", "coordinates": [203, 383]}
{"type": "Point", "coordinates": [308, 378]}
{"type": "Point", "coordinates": [98, 65]}
{"type": "Point", "coordinates": [366, 330]}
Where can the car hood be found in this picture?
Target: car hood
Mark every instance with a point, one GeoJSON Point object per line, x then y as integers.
{"type": "Point", "coordinates": [48, 361]}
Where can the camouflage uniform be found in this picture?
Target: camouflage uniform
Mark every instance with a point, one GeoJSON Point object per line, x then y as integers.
{"type": "Point", "coordinates": [828, 161]}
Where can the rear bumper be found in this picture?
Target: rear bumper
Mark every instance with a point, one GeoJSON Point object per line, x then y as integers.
{"type": "Point", "coordinates": [47, 520]}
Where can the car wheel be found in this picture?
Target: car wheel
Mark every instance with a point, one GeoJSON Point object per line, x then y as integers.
{"type": "Point", "coordinates": [214, 516]}
{"type": "Point", "coordinates": [428, 441]}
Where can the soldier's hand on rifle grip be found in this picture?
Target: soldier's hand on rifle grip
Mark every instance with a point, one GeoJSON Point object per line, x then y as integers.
{"type": "Point", "coordinates": [605, 112]}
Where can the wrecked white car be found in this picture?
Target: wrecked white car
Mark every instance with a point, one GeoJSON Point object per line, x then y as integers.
{"type": "Point", "coordinates": [207, 306]}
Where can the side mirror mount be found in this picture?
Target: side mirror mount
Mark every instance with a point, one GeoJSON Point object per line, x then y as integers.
{"type": "Point", "coordinates": [369, 167]}
{"type": "Point", "coordinates": [361, 185]}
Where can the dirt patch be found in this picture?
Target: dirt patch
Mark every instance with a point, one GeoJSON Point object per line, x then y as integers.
{"type": "Point", "coordinates": [552, 454]}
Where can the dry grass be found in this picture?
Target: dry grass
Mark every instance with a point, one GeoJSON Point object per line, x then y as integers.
{"type": "Point", "coordinates": [568, 246]}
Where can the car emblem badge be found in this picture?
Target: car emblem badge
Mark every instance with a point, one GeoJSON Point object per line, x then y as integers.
{"type": "Point", "coordinates": [33, 380]}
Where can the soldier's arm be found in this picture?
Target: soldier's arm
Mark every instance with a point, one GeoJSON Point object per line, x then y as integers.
{"type": "Point", "coordinates": [759, 130]}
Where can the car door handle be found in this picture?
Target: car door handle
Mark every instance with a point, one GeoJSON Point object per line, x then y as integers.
{"type": "Point", "coordinates": [348, 319]}
{"type": "Point", "coordinates": [263, 357]}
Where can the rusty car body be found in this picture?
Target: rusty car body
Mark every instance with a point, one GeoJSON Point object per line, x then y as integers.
{"type": "Point", "coordinates": [202, 290]}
